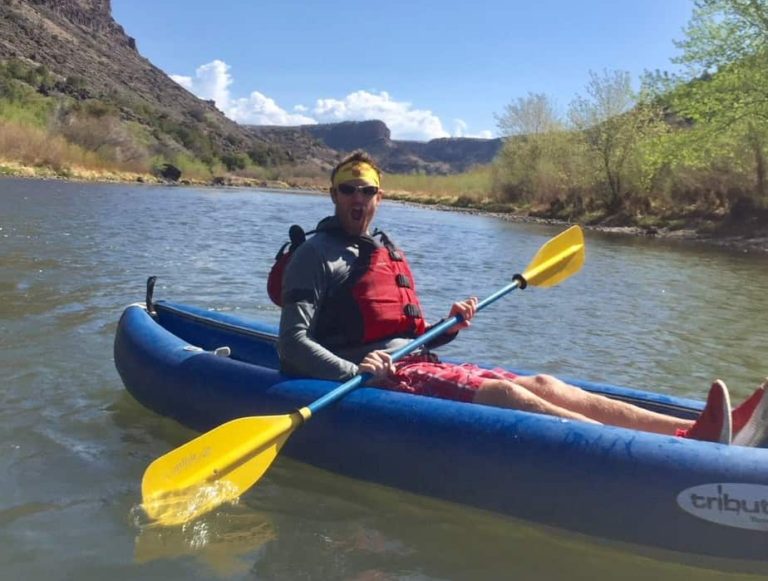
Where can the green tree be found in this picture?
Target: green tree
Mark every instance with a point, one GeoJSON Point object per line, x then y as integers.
{"type": "Point", "coordinates": [724, 90]}
{"type": "Point", "coordinates": [526, 167]}
{"type": "Point", "coordinates": [722, 32]}
{"type": "Point", "coordinates": [613, 123]}
{"type": "Point", "coordinates": [529, 116]}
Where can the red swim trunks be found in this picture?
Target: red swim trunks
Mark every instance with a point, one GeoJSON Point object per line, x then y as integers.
{"type": "Point", "coordinates": [426, 375]}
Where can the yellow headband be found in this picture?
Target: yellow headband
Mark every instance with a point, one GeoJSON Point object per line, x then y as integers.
{"type": "Point", "coordinates": [356, 170]}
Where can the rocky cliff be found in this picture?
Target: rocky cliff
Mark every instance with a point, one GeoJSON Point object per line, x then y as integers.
{"type": "Point", "coordinates": [92, 58]}
{"type": "Point", "coordinates": [93, 15]}
{"type": "Point", "coordinates": [77, 38]}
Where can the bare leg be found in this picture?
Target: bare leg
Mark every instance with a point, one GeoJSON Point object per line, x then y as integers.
{"type": "Point", "coordinates": [549, 395]}
{"type": "Point", "coordinates": [505, 394]}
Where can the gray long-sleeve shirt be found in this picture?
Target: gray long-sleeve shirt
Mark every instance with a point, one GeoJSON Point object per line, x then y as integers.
{"type": "Point", "coordinates": [319, 267]}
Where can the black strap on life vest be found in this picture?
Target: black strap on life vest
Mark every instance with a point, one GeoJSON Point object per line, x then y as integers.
{"type": "Point", "coordinates": [394, 253]}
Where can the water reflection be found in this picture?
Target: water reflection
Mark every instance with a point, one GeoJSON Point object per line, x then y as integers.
{"type": "Point", "coordinates": [225, 543]}
{"type": "Point", "coordinates": [372, 532]}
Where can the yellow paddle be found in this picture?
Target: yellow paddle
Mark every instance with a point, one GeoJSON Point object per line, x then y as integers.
{"type": "Point", "coordinates": [220, 465]}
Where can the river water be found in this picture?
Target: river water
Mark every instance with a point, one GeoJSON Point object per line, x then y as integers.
{"type": "Point", "coordinates": [74, 445]}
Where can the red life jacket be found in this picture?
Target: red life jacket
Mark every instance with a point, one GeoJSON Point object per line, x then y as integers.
{"type": "Point", "coordinates": [377, 301]}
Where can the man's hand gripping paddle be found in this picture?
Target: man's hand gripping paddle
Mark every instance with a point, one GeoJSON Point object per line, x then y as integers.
{"type": "Point", "coordinates": [222, 464]}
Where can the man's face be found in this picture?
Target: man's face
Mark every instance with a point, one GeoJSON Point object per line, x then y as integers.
{"type": "Point", "coordinates": [356, 205]}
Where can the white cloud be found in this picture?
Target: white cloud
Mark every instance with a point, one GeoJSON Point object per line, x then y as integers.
{"type": "Point", "coordinates": [258, 109]}
{"type": "Point", "coordinates": [185, 82]}
{"type": "Point", "coordinates": [213, 81]}
{"type": "Point", "coordinates": [403, 120]}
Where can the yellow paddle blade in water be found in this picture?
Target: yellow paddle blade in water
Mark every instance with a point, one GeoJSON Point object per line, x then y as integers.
{"type": "Point", "coordinates": [214, 468]}
{"type": "Point", "coordinates": [561, 257]}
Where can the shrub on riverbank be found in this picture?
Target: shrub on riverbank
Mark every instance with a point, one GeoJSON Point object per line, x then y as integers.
{"type": "Point", "coordinates": [638, 167]}
{"type": "Point", "coordinates": [35, 147]}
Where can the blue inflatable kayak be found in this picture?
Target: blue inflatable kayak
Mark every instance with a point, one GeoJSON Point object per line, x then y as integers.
{"type": "Point", "coordinates": [618, 484]}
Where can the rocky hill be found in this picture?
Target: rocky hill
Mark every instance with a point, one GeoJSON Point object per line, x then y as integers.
{"type": "Point", "coordinates": [90, 57]}
{"type": "Point", "coordinates": [74, 51]}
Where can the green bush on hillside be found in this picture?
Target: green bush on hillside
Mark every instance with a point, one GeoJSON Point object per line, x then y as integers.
{"type": "Point", "coordinates": [22, 71]}
{"type": "Point", "coordinates": [235, 161]}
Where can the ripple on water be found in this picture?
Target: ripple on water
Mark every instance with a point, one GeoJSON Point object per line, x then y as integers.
{"type": "Point", "coordinates": [641, 313]}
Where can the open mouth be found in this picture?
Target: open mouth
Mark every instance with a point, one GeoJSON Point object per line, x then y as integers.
{"type": "Point", "coordinates": [356, 213]}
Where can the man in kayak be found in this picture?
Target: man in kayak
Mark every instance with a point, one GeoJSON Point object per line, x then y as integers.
{"type": "Point", "coordinates": [349, 300]}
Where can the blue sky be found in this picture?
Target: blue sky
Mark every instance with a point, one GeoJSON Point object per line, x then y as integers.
{"type": "Point", "coordinates": [427, 68]}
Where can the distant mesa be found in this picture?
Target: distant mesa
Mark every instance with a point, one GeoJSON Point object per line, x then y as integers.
{"type": "Point", "coordinates": [438, 156]}
{"type": "Point", "coordinates": [350, 135]}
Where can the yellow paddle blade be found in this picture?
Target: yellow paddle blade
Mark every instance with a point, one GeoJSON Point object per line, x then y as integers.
{"type": "Point", "coordinates": [561, 257]}
{"type": "Point", "coordinates": [214, 468]}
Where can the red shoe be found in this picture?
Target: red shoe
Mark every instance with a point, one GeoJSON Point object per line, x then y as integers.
{"type": "Point", "coordinates": [714, 423]}
{"type": "Point", "coordinates": [754, 430]}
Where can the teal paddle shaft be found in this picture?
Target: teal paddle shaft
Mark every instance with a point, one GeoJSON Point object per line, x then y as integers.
{"type": "Point", "coordinates": [517, 282]}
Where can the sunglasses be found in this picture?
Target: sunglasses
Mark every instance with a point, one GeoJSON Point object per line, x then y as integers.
{"type": "Point", "coordinates": [348, 190]}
